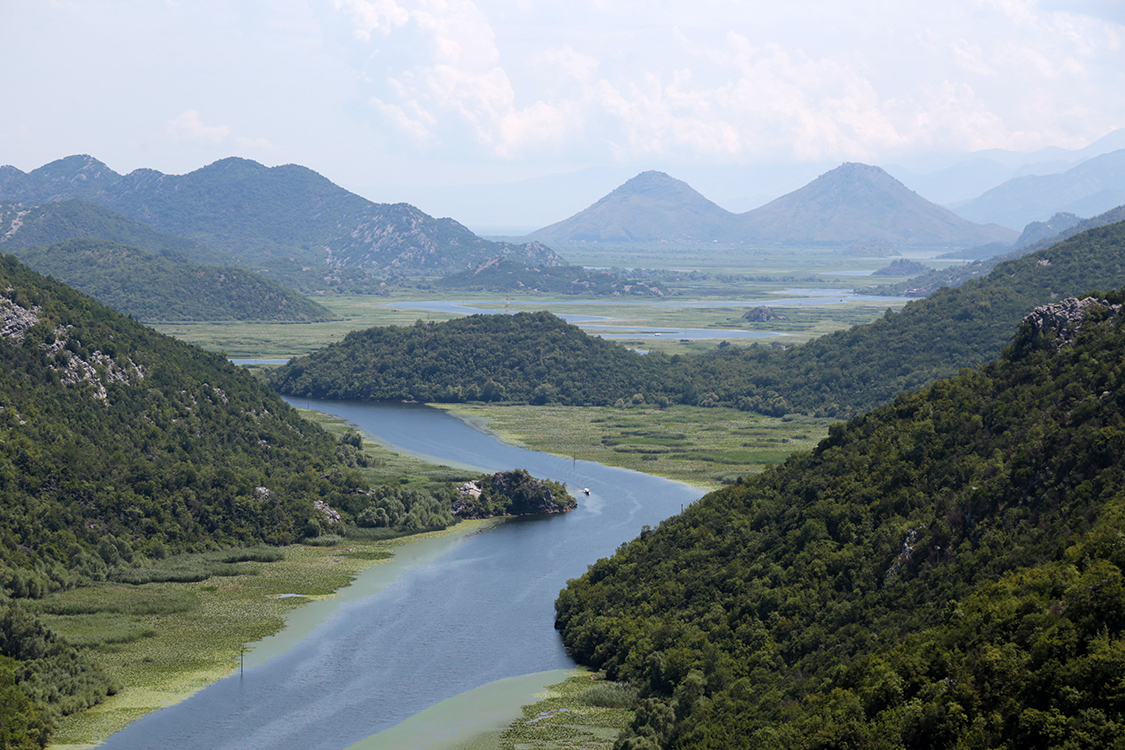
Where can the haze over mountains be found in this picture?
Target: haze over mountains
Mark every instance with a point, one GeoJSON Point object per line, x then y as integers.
{"type": "Point", "coordinates": [854, 203]}
{"type": "Point", "coordinates": [1088, 189]}
{"type": "Point", "coordinates": [285, 218]}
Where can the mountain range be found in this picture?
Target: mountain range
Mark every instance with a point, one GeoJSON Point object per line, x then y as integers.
{"type": "Point", "coordinates": [142, 272]}
{"type": "Point", "coordinates": [287, 219]}
{"type": "Point", "coordinates": [1091, 188]}
{"type": "Point", "coordinates": [854, 203]}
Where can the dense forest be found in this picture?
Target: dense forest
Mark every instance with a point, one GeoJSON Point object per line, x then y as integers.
{"type": "Point", "coordinates": [538, 358]}
{"type": "Point", "coordinates": [942, 572]}
{"type": "Point", "coordinates": [154, 288]}
{"type": "Point", "coordinates": [112, 434]}
{"type": "Point", "coordinates": [120, 447]}
{"type": "Point", "coordinates": [532, 357]}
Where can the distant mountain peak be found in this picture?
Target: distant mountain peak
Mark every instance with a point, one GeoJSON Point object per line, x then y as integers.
{"type": "Point", "coordinates": [653, 206]}
{"type": "Point", "coordinates": [858, 202]}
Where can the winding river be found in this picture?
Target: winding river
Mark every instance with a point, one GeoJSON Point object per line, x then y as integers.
{"type": "Point", "coordinates": [480, 611]}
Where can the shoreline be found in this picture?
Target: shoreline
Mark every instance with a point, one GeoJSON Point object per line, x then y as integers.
{"type": "Point", "coordinates": [463, 721]}
{"type": "Point", "coordinates": [289, 620]}
{"type": "Point", "coordinates": [409, 552]}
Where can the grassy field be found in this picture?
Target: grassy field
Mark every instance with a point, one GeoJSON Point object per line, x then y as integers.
{"type": "Point", "coordinates": [161, 642]}
{"type": "Point", "coordinates": [581, 712]}
{"type": "Point", "coordinates": [702, 447]}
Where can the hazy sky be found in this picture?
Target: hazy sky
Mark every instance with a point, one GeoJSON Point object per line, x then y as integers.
{"type": "Point", "coordinates": [388, 94]}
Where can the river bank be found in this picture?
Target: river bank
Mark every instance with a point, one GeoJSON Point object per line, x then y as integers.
{"type": "Point", "coordinates": [251, 617]}
{"type": "Point", "coordinates": [474, 617]}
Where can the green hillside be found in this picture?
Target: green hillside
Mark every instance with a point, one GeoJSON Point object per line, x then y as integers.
{"type": "Point", "coordinates": [532, 357]}
{"type": "Point", "coordinates": [112, 434]}
{"type": "Point", "coordinates": [846, 372]}
{"type": "Point", "coordinates": [118, 448]}
{"type": "Point", "coordinates": [23, 227]}
{"type": "Point", "coordinates": [153, 288]}
{"type": "Point", "coordinates": [943, 572]}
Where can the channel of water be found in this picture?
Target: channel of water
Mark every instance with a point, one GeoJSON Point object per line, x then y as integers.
{"type": "Point", "coordinates": [477, 613]}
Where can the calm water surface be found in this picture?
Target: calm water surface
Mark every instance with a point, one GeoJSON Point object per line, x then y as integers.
{"type": "Point", "coordinates": [482, 612]}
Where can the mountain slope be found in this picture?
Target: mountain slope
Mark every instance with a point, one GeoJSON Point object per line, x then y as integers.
{"type": "Point", "coordinates": [1028, 243]}
{"type": "Point", "coordinates": [851, 204]}
{"type": "Point", "coordinates": [1090, 188]}
{"type": "Point", "coordinates": [285, 218]}
{"type": "Point", "coordinates": [153, 288]}
{"type": "Point", "coordinates": [111, 433]}
{"type": "Point", "coordinates": [651, 207]}
{"type": "Point", "coordinates": [848, 371]}
{"type": "Point", "coordinates": [23, 226]}
{"type": "Point", "coordinates": [944, 572]}
{"type": "Point", "coordinates": [855, 203]}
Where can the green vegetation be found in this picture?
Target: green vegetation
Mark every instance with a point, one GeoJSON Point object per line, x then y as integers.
{"type": "Point", "coordinates": [121, 446]}
{"type": "Point", "coordinates": [537, 358]}
{"type": "Point", "coordinates": [23, 227]}
{"type": "Point", "coordinates": [531, 357]}
{"type": "Point", "coordinates": [352, 312]}
{"type": "Point", "coordinates": [121, 450]}
{"type": "Point", "coordinates": [849, 371]}
{"type": "Point", "coordinates": [150, 287]}
{"type": "Point", "coordinates": [42, 678]}
{"type": "Point", "coordinates": [945, 571]}
{"type": "Point", "coordinates": [511, 493]}
{"type": "Point", "coordinates": [701, 447]}
{"type": "Point", "coordinates": [159, 643]}
{"type": "Point", "coordinates": [584, 711]}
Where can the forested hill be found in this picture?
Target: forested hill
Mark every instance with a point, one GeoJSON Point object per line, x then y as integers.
{"type": "Point", "coordinates": [541, 359]}
{"type": "Point", "coordinates": [154, 288]}
{"type": "Point", "coordinates": [944, 572]}
{"type": "Point", "coordinates": [849, 371]}
{"type": "Point", "coordinates": [533, 357]}
{"type": "Point", "coordinates": [117, 441]}
{"type": "Point", "coordinates": [23, 227]}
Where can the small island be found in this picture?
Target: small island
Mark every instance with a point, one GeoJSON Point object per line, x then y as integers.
{"type": "Point", "coordinates": [511, 493]}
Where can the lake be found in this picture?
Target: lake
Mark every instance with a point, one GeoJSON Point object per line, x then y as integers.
{"type": "Point", "coordinates": [481, 612]}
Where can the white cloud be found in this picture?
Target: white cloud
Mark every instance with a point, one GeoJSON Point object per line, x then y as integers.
{"type": "Point", "coordinates": [373, 15]}
{"type": "Point", "coordinates": [257, 144]}
{"type": "Point", "coordinates": [188, 127]}
{"type": "Point", "coordinates": [720, 79]}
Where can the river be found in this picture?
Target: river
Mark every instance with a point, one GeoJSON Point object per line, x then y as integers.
{"type": "Point", "coordinates": [481, 612]}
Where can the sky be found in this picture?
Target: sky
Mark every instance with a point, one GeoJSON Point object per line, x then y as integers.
{"type": "Point", "coordinates": [438, 102]}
